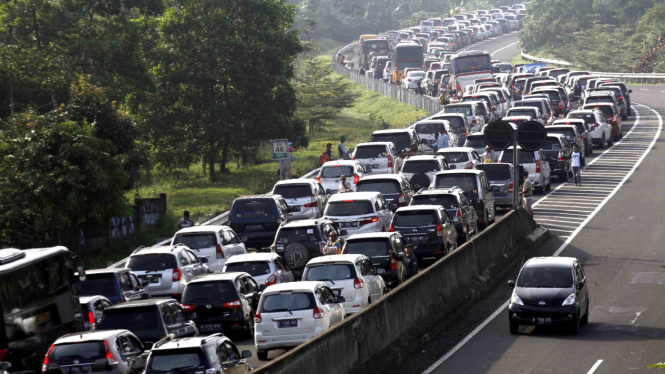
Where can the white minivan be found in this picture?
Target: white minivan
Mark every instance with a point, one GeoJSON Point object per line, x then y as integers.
{"type": "Point", "coordinates": [331, 171]}
{"type": "Point", "coordinates": [378, 157]}
{"type": "Point", "coordinates": [215, 243]}
{"type": "Point", "coordinates": [360, 212]}
{"type": "Point", "coordinates": [305, 197]}
{"type": "Point", "coordinates": [460, 157]}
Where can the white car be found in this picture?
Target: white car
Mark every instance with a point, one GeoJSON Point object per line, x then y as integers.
{"type": "Point", "coordinates": [351, 276]}
{"type": "Point", "coordinates": [378, 156]}
{"type": "Point", "coordinates": [428, 129]}
{"type": "Point", "coordinates": [292, 313]}
{"type": "Point", "coordinates": [420, 170]}
{"type": "Point", "coordinates": [472, 112]}
{"type": "Point", "coordinates": [331, 171]}
{"type": "Point", "coordinates": [360, 212]}
{"type": "Point", "coordinates": [266, 268]}
{"type": "Point", "coordinates": [460, 157]}
{"type": "Point", "coordinates": [305, 197]}
{"type": "Point", "coordinates": [535, 163]}
{"type": "Point", "coordinates": [410, 82]}
{"type": "Point", "coordinates": [215, 243]}
{"type": "Point", "coordinates": [601, 130]}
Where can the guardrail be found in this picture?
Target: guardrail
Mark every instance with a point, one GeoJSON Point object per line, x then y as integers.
{"type": "Point", "coordinates": [634, 78]}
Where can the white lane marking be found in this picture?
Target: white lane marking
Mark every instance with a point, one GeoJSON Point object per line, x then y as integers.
{"type": "Point", "coordinates": [501, 49]}
{"type": "Point", "coordinates": [594, 367]}
{"type": "Point", "coordinates": [561, 248]}
{"type": "Point", "coordinates": [644, 89]}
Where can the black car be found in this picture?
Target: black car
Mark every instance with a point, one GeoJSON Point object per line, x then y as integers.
{"type": "Point", "coordinates": [222, 302]}
{"type": "Point", "coordinates": [377, 246]}
{"type": "Point", "coordinates": [626, 92]}
{"type": "Point", "coordinates": [572, 134]}
{"type": "Point", "coordinates": [214, 354]}
{"type": "Point", "coordinates": [395, 188]}
{"type": "Point", "coordinates": [256, 219]}
{"type": "Point", "coordinates": [457, 206]}
{"type": "Point", "coordinates": [583, 131]}
{"type": "Point", "coordinates": [428, 228]}
{"type": "Point", "coordinates": [117, 285]}
{"type": "Point", "coordinates": [549, 291]}
{"type": "Point", "coordinates": [299, 241]}
{"type": "Point", "coordinates": [558, 153]}
{"type": "Point", "coordinates": [150, 320]}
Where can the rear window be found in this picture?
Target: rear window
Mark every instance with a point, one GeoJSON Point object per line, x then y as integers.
{"type": "Point", "coordinates": [401, 140]}
{"type": "Point", "coordinates": [180, 360]}
{"type": "Point", "coordinates": [254, 268]}
{"type": "Point", "coordinates": [537, 104]}
{"type": "Point", "coordinates": [349, 208]}
{"type": "Point", "coordinates": [293, 191]}
{"type": "Point", "coordinates": [415, 219]}
{"type": "Point", "coordinates": [552, 145]}
{"type": "Point", "coordinates": [466, 182]}
{"type": "Point", "coordinates": [371, 151]}
{"type": "Point", "coordinates": [455, 157]}
{"type": "Point", "coordinates": [521, 113]}
{"type": "Point", "coordinates": [526, 157]}
{"type": "Point", "coordinates": [287, 301]}
{"type": "Point", "coordinates": [466, 110]}
{"type": "Point", "coordinates": [428, 128]}
{"type": "Point", "coordinates": [83, 352]}
{"type": "Point", "coordinates": [557, 72]}
{"type": "Point", "coordinates": [152, 262]}
{"type": "Point", "coordinates": [587, 117]}
{"type": "Point", "coordinates": [425, 166]}
{"type": "Point", "coordinates": [336, 171]}
{"type": "Point", "coordinates": [446, 201]}
{"type": "Point", "coordinates": [496, 173]}
{"type": "Point", "coordinates": [253, 208]}
{"type": "Point", "coordinates": [217, 291]}
{"type": "Point", "coordinates": [133, 319]}
{"type": "Point", "coordinates": [99, 284]}
{"type": "Point", "coordinates": [368, 247]}
{"type": "Point", "coordinates": [599, 99]}
{"type": "Point", "coordinates": [569, 134]}
{"type": "Point", "coordinates": [196, 241]}
{"type": "Point", "coordinates": [329, 272]}
{"type": "Point", "coordinates": [607, 111]}
{"type": "Point", "coordinates": [475, 142]}
{"type": "Point", "coordinates": [456, 122]}
{"type": "Point", "coordinates": [554, 96]}
{"type": "Point", "coordinates": [288, 235]}
{"type": "Point", "coordinates": [384, 187]}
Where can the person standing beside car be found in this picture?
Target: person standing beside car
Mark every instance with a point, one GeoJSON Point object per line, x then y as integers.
{"type": "Point", "coordinates": [443, 141]}
{"type": "Point", "coordinates": [399, 162]}
{"type": "Point", "coordinates": [409, 261]}
{"type": "Point", "coordinates": [575, 163]}
{"type": "Point", "coordinates": [333, 245]}
{"type": "Point", "coordinates": [527, 193]}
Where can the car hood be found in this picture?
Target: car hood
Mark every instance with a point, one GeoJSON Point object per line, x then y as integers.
{"type": "Point", "coordinates": [543, 294]}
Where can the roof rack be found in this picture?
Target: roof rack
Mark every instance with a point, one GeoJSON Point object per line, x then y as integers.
{"type": "Point", "coordinates": [217, 335]}
{"type": "Point", "coordinates": [167, 339]}
{"type": "Point", "coordinates": [10, 255]}
{"type": "Point", "coordinates": [138, 249]}
{"type": "Point", "coordinates": [177, 245]}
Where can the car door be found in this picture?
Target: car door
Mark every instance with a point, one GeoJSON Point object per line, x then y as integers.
{"type": "Point", "coordinates": [371, 279]}
{"type": "Point", "coordinates": [195, 262]}
{"type": "Point", "coordinates": [132, 352]}
{"type": "Point", "coordinates": [128, 290]}
{"type": "Point", "coordinates": [385, 212]}
{"type": "Point", "coordinates": [140, 293]}
{"type": "Point", "coordinates": [334, 308]}
{"type": "Point", "coordinates": [447, 224]}
{"type": "Point", "coordinates": [583, 293]}
{"type": "Point", "coordinates": [184, 326]}
{"type": "Point", "coordinates": [252, 292]}
{"type": "Point", "coordinates": [321, 199]}
{"type": "Point", "coordinates": [233, 362]}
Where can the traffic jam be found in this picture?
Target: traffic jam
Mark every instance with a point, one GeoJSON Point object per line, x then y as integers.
{"type": "Point", "coordinates": [291, 264]}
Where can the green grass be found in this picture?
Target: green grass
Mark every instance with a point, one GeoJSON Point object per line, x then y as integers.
{"type": "Point", "coordinates": [518, 60]}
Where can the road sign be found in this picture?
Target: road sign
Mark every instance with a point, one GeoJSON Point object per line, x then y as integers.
{"type": "Point", "coordinates": [279, 149]}
{"type": "Point", "coordinates": [500, 135]}
{"type": "Point", "coordinates": [531, 136]}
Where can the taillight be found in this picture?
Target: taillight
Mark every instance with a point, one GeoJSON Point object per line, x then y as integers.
{"type": "Point", "coordinates": [464, 133]}
{"type": "Point", "coordinates": [401, 201]}
{"type": "Point", "coordinates": [3, 354]}
{"type": "Point", "coordinates": [537, 166]}
{"type": "Point", "coordinates": [313, 203]}
{"type": "Point", "coordinates": [393, 264]}
{"type": "Point", "coordinates": [458, 214]}
{"type": "Point", "coordinates": [390, 161]}
{"type": "Point", "coordinates": [318, 313]}
{"type": "Point", "coordinates": [91, 320]}
{"type": "Point", "coordinates": [510, 188]}
{"type": "Point", "coordinates": [621, 97]}
{"type": "Point", "coordinates": [177, 275]}
{"type": "Point", "coordinates": [318, 178]}
{"type": "Point", "coordinates": [187, 307]}
{"type": "Point", "coordinates": [475, 122]}
{"type": "Point", "coordinates": [109, 356]}
{"type": "Point", "coordinates": [232, 304]}
{"type": "Point", "coordinates": [271, 280]}
{"type": "Point", "coordinates": [358, 283]}
{"type": "Point", "coordinates": [561, 155]}
{"type": "Point", "coordinates": [439, 230]}
{"type": "Point", "coordinates": [560, 107]}
{"type": "Point", "coordinates": [356, 178]}
{"type": "Point", "coordinates": [369, 220]}
{"type": "Point", "coordinates": [469, 165]}
{"type": "Point", "coordinates": [45, 364]}
{"type": "Point", "coordinates": [392, 228]}
{"type": "Point", "coordinates": [219, 252]}
{"type": "Point", "coordinates": [257, 318]}
{"type": "Point", "coordinates": [408, 80]}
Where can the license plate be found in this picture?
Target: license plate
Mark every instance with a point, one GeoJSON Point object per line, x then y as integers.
{"type": "Point", "coordinates": [78, 369]}
{"type": "Point", "coordinates": [416, 238]}
{"type": "Point", "coordinates": [296, 208]}
{"type": "Point", "coordinates": [348, 224]}
{"type": "Point", "coordinates": [215, 326]}
{"type": "Point", "coordinates": [254, 227]}
{"type": "Point", "coordinates": [542, 320]}
{"type": "Point", "coordinates": [287, 323]}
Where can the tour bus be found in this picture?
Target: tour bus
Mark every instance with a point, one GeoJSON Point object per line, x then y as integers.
{"type": "Point", "coordinates": [376, 47]}
{"type": "Point", "coordinates": [468, 66]}
{"type": "Point", "coordinates": [38, 304]}
{"type": "Point", "coordinates": [363, 37]}
{"type": "Point", "coordinates": [407, 55]}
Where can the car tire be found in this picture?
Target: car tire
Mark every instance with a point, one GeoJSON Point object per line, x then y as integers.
{"type": "Point", "coordinates": [585, 318]}
{"type": "Point", "coordinates": [296, 255]}
{"type": "Point", "coordinates": [548, 186]}
{"type": "Point", "coordinates": [610, 141]}
{"type": "Point", "coordinates": [575, 325]}
{"type": "Point", "coordinates": [262, 355]}
{"type": "Point", "coordinates": [602, 142]}
{"type": "Point", "coordinates": [514, 328]}
{"type": "Point", "coordinates": [250, 327]}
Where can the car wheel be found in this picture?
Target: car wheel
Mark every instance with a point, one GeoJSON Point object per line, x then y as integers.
{"type": "Point", "coordinates": [250, 326]}
{"type": "Point", "coordinates": [585, 317]}
{"type": "Point", "coordinates": [610, 141]}
{"type": "Point", "coordinates": [602, 142]}
{"type": "Point", "coordinates": [575, 325]}
{"type": "Point", "coordinates": [548, 186]}
{"type": "Point", "coordinates": [262, 355]}
{"type": "Point", "coordinates": [514, 328]}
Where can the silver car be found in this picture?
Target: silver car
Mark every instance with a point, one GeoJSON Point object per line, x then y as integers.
{"type": "Point", "coordinates": [305, 197]}
{"type": "Point", "coordinates": [500, 176]}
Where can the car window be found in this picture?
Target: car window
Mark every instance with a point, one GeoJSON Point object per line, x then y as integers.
{"type": "Point", "coordinates": [580, 272]}
{"type": "Point", "coordinates": [234, 355]}
{"type": "Point", "coordinates": [226, 240]}
{"type": "Point", "coordinates": [153, 262]}
{"type": "Point", "coordinates": [136, 344]}
{"type": "Point", "coordinates": [251, 285]}
{"type": "Point", "coordinates": [327, 295]}
{"type": "Point", "coordinates": [211, 354]}
{"type": "Point", "coordinates": [135, 281]}
{"type": "Point", "coordinates": [222, 353]}
{"type": "Point", "coordinates": [279, 264]}
{"type": "Point", "coordinates": [193, 259]}
{"type": "Point", "coordinates": [184, 260]}
{"type": "Point", "coordinates": [167, 313]}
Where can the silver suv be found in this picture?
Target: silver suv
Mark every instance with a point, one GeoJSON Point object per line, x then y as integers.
{"type": "Point", "coordinates": [165, 271]}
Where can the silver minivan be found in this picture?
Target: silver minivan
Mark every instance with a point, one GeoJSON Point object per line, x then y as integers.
{"type": "Point", "coordinates": [500, 176]}
{"type": "Point", "coordinates": [305, 197]}
{"type": "Point", "coordinates": [378, 156]}
{"type": "Point", "coordinates": [214, 243]}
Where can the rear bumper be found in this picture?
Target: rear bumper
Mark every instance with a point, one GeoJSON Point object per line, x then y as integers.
{"type": "Point", "coordinates": [434, 249]}
{"type": "Point", "coordinates": [306, 213]}
{"type": "Point", "coordinates": [504, 200]}
{"type": "Point", "coordinates": [557, 166]}
{"type": "Point", "coordinates": [232, 323]}
{"type": "Point", "coordinates": [368, 228]}
{"type": "Point", "coordinates": [263, 343]}
{"type": "Point", "coordinates": [257, 240]}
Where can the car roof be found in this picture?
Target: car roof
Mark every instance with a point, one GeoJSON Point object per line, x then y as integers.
{"type": "Point", "coordinates": [217, 277]}
{"type": "Point", "coordinates": [562, 126]}
{"type": "Point", "coordinates": [107, 271]}
{"type": "Point", "coordinates": [258, 256]}
{"type": "Point", "coordinates": [422, 158]}
{"type": "Point", "coordinates": [516, 117]}
{"type": "Point", "coordinates": [302, 223]}
{"type": "Point", "coordinates": [444, 114]}
{"type": "Point", "coordinates": [374, 143]}
{"type": "Point", "coordinates": [552, 135]}
{"type": "Point", "coordinates": [190, 342]}
{"type": "Point", "coordinates": [460, 171]}
{"type": "Point", "coordinates": [460, 104]}
{"type": "Point", "coordinates": [86, 336]}
{"type": "Point", "coordinates": [524, 107]}
{"type": "Point", "coordinates": [354, 196]}
{"type": "Point", "coordinates": [26, 256]}
{"type": "Point", "coordinates": [206, 228]}
{"type": "Point", "coordinates": [335, 258]}
{"type": "Point", "coordinates": [562, 122]}
{"type": "Point", "coordinates": [371, 235]}
{"type": "Point", "coordinates": [140, 303]}
{"type": "Point", "coordinates": [339, 162]}
{"type": "Point", "coordinates": [392, 131]}
{"type": "Point", "coordinates": [455, 149]}
{"type": "Point", "coordinates": [395, 177]}
{"type": "Point", "coordinates": [441, 191]}
{"type": "Point", "coordinates": [155, 250]}
{"type": "Point", "coordinates": [87, 299]}
{"type": "Point", "coordinates": [550, 261]}
{"type": "Point", "coordinates": [294, 182]}
{"type": "Point", "coordinates": [295, 286]}
{"type": "Point", "coordinates": [415, 208]}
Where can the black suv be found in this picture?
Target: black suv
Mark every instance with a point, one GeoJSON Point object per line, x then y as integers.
{"type": "Point", "coordinates": [395, 188]}
{"type": "Point", "coordinates": [377, 246]}
{"type": "Point", "coordinates": [428, 228]}
{"type": "Point", "coordinates": [256, 219]}
{"type": "Point", "coordinates": [214, 354]}
{"type": "Point", "coordinates": [117, 285]}
{"type": "Point", "coordinates": [558, 153]}
{"type": "Point", "coordinates": [150, 320]}
{"type": "Point", "coordinates": [457, 206]}
{"type": "Point", "coordinates": [222, 302]}
{"type": "Point", "coordinates": [299, 241]}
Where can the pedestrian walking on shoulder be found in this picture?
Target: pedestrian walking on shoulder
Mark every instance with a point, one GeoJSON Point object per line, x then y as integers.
{"type": "Point", "coordinates": [444, 140]}
{"type": "Point", "coordinates": [409, 261]}
{"type": "Point", "coordinates": [333, 245]}
{"type": "Point", "coordinates": [399, 162]}
{"type": "Point", "coordinates": [185, 221]}
{"type": "Point", "coordinates": [527, 193]}
{"type": "Point", "coordinates": [575, 162]}
{"type": "Point", "coordinates": [341, 148]}
{"type": "Point", "coordinates": [327, 154]}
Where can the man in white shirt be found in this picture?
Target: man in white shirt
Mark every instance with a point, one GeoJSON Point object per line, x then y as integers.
{"type": "Point", "coordinates": [399, 162]}
{"type": "Point", "coordinates": [444, 140]}
{"type": "Point", "coordinates": [575, 159]}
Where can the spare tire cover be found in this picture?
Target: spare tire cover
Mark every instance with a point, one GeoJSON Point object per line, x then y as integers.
{"type": "Point", "coordinates": [296, 255]}
{"type": "Point", "coordinates": [420, 180]}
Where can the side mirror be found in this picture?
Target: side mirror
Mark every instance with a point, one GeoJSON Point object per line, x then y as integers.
{"type": "Point", "coordinates": [511, 283]}
{"type": "Point", "coordinates": [343, 233]}
{"type": "Point", "coordinates": [380, 271]}
{"type": "Point", "coordinates": [191, 315]}
{"type": "Point", "coordinates": [203, 260]}
{"type": "Point", "coordinates": [392, 207]}
{"type": "Point", "coordinates": [341, 299]}
{"type": "Point", "coordinates": [246, 354]}
{"type": "Point", "coordinates": [580, 285]}
{"type": "Point", "coordinates": [81, 271]}
{"type": "Point", "coordinates": [630, 91]}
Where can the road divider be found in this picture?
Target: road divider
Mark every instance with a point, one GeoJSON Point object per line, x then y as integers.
{"type": "Point", "coordinates": [377, 338]}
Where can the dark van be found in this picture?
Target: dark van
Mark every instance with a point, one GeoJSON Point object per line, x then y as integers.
{"type": "Point", "coordinates": [256, 219]}
{"type": "Point", "coordinates": [117, 285]}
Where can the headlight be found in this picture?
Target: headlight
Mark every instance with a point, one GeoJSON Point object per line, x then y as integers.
{"type": "Point", "coordinates": [570, 300]}
{"type": "Point", "coordinates": [516, 300]}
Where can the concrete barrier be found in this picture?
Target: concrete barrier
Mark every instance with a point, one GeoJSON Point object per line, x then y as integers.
{"type": "Point", "coordinates": [377, 338]}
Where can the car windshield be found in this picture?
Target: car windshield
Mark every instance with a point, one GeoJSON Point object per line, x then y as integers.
{"type": "Point", "coordinates": [349, 208]}
{"type": "Point", "coordinates": [526, 157]}
{"type": "Point", "coordinates": [84, 352]}
{"type": "Point", "coordinates": [248, 208]}
{"type": "Point", "coordinates": [599, 99]}
{"type": "Point", "coordinates": [213, 291]}
{"type": "Point", "coordinates": [466, 110]}
{"type": "Point", "coordinates": [183, 360]}
{"type": "Point", "coordinates": [196, 241]}
{"type": "Point", "coordinates": [287, 301]}
{"type": "Point", "coordinates": [466, 182]}
{"type": "Point", "coordinates": [538, 277]}
{"type": "Point", "coordinates": [606, 109]}
{"type": "Point", "coordinates": [424, 166]}
{"type": "Point", "coordinates": [382, 186]}
{"type": "Point", "coordinates": [496, 172]}
{"type": "Point", "coordinates": [455, 157]}
{"type": "Point", "coordinates": [475, 142]}
{"type": "Point", "coordinates": [293, 191]}
{"type": "Point", "coordinates": [456, 122]}
{"type": "Point", "coordinates": [368, 247]}
{"type": "Point", "coordinates": [552, 144]}
{"type": "Point", "coordinates": [288, 235]}
{"type": "Point", "coordinates": [254, 268]}
{"type": "Point", "coordinates": [415, 218]}
{"type": "Point", "coordinates": [402, 140]}
{"type": "Point", "coordinates": [329, 271]}
{"type": "Point", "coordinates": [336, 171]}
{"type": "Point", "coordinates": [371, 151]}
{"type": "Point", "coordinates": [99, 284]}
{"type": "Point", "coordinates": [152, 262]}
{"type": "Point", "coordinates": [133, 319]}
{"type": "Point", "coordinates": [446, 201]}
